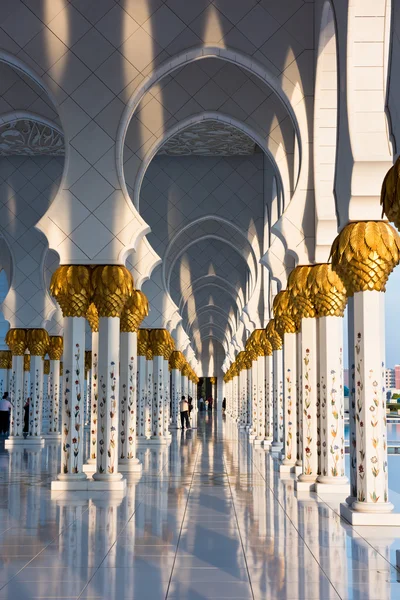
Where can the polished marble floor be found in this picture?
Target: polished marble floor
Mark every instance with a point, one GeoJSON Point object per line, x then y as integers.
{"type": "Point", "coordinates": [209, 518]}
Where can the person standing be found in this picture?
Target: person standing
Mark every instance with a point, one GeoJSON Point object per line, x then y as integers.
{"type": "Point", "coordinates": [201, 404]}
{"type": "Point", "coordinates": [26, 417]}
{"type": "Point", "coordinates": [210, 403]}
{"type": "Point", "coordinates": [184, 409]}
{"type": "Point", "coordinates": [5, 407]}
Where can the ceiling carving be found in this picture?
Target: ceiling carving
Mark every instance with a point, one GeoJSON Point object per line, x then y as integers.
{"type": "Point", "coordinates": [209, 138]}
{"type": "Point", "coordinates": [30, 138]}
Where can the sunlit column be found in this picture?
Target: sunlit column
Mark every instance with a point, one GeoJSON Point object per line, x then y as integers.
{"type": "Point", "coordinates": [240, 360]}
{"type": "Point", "coordinates": [287, 328]}
{"type": "Point", "coordinates": [71, 287]}
{"type": "Point", "coordinates": [176, 363]}
{"type": "Point", "coordinates": [149, 388]}
{"type": "Point", "coordinates": [168, 349]}
{"type": "Point", "coordinates": [159, 342]}
{"type": "Point", "coordinates": [93, 320]}
{"type": "Point", "coordinates": [330, 301]}
{"type": "Point", "coordinates": [352, 402]}
{"type": "Point", "coordinates": [277, 357]}
{"type": "Point", "coordinates": [37, 341]}
{"type": "Point", "coordinates": [364, 254]}
{"type": "Point", "coordinates": [112, 287]}
{"type": "Point", "coordinates": [5, 357]}
{"type": "Point", "coordinates": [269, 388]}
{"type": "Point", "coordinates": [249, 390]}
{"type": "Point", "coordinates": [27, 376]}
{"type": "Point", "coordinates": [135, 310]}
{"type": "Point", "coordinates": [260, 431]}
{"type": "Point", "coordinates": [302, 303]}
{"type": "Point", "coordinates": [143, 414]}
{"type": "Point", "coordinates": [235, 392]}
{"type": "Point", "coordinates": [88, 387]}
{"type": "Point", "coordinates": [299, 405]}
{"type": "Point", "coordinates": [46, 397]}
{"type": "Point", "coordinates": [55, 351]}
{"type": "Point", "coordinates": [16, 341]}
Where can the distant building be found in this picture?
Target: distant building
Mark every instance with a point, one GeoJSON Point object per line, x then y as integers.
{"type": "Point", "coordinates": [397, 376]}
{"type": "Point", "coordinates": [390, 379]}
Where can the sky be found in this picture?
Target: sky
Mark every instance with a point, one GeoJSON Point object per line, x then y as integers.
{"type": "Point", "coordinates": [392, 322]}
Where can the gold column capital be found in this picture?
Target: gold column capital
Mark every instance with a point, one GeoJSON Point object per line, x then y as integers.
{"type": "Point", "coordinates": [142, 342]}
{"type": "Point", "coordinates": [186, 370]}
{"type": "Point", "coordinates": [71, 286]}
{"type": "Point", "coordinates": [265, 344]}
{"type": "Point", "coordinates": [5, 356]}
{"type": "Point", "coordinates": [240, 361]}
{"type": "Point", "coordinates": [112, 286]}
{"type": "Point", "coordinates": [56, 347]}
{"type": "Point", "coordinates": [273, 336]}
{"type": "Point", "coordinates": [46, 367]}
{"type": "Point", "coordinates": [135, 310]}
{"type": "Point", "coordinates": [160, 343]}
{"type": "Point", "coordinates": [297, 286]}
{"type": "Point", "coordinates": [327, 291]}
{"type": "Point", "coordinates": [364, 254]}
{"type": "Point", "coordinates": [93, 318]}
{"type": "Point", "coordinates": [16, 341]}
{"type": "Point", "coordinates": [283, 309]}
{"type": "Point", "coordinates": [176, 360]}
{"type": "Point", "coordinates": [37, 341]}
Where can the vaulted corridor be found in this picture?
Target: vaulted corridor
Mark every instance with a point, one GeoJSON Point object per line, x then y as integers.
{"type": "Point", "coordinates": [210, 517]}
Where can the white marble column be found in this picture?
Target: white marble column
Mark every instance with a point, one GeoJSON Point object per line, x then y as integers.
{"type": "Point", "coordinates": [72, 476]}
{"type": "Point", "coordinates": [290, 400]}
{"type": "Point", "coordinates": [235, 393]}
{"type": "Point", "coordinates": [176, 362]}
{"type": "Point", "coordinates": [46, 397]}
{"type": "Point", "coordinates": [269, 389]}
{"type": "Point", "coordinates": [249, 393]}
{"type": "Point", "coordinates": [27, 377]}
{"type": "Point", "coordinates": [277, 365]}
{"type": "Point", "coordinates": [167, 394]}
{"type": "Point", "coordinates": [142, 415]}
{"type": "Point", "coordinates": [93, 320]}
{"type": "Point", "coordinates": [55, 351]}
{"type": "Point", "coordinates": [16, 341]}
{"type": "Point", "coordinates": [37, 342]}
{"type": "Point", "coordinates": [88, 387]}
{"type": "Point", "coordinates": [5, 359]}
{"type": "Point", "coordinates": [128, 403]}
{"type": "Point", "coordinates": [260, 428]}
{"type": "Point", "coordinates": [159, 342]}
{"type": "Point", "coordinates": [149, 392]}
{"type": "Point", "coordinates": [332, 405]}
{"type": "Point", "coordinates": [299, 405]}
{"type": "Point", "coordinates": [352, 402]}
{"type": "Point", "coordinates": [242, 395]}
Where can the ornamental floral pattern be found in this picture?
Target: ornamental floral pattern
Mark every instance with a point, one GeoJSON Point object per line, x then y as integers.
{"type": "Point", "coordinates": [352, 433]}
{"type": "Point", "coordinates": [360, 431]}
{"type": "Point", "coordinates": [71, 426]}
{"type": "Point", "coordinates": [149, 404]}
{"type": "Point", "coordinates": [93, 410]}
{"type": "Point", "coordinates": [289, 416]}
{"type": "Point", "coordinates": [158, 404]}
{"type": "Point", "coordinates": [307, 416]}
{"type": "Point", "coordinates": [128, 414]}
{"type": "Point", "coordinates": [336, 430]}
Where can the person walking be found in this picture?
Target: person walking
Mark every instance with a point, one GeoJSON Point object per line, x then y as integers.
{"type": "Point", "coordinates": [5, 407]}
{"type": "Point", "coordinates": [184, 408]}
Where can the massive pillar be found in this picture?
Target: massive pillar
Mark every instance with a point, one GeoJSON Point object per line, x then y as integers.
{"type": "Point", "coordinates": [305, 311]}
{"type": "Point", "coordinates": [88, 387]}
{"type": "Point", "coordinates": [242, 389]}
{"type": "Point", "coordinates": [287, 329]}
{"type": "Point", "coordinates": [269, 388]}
{"type": "Point", "coordinates": [363, 255]}
{"type": "Point", "coordinates": [136, 309]}
{"type": "Point", "coordinates": [277, 358]}
{"type": "Point", "coordinates": [72, 288]}
{"type": "Point", "coordinates": [37, 341]}
{"type": "Point", "coordinates": [329, 298]}
{"type": "Point", "coordinates": [55, 351]}
{"type": "Point", "coordinates": [144, 416]}
{"type": "Point", "coordinates": [93, 320]}
{"type": "Point", "coordinates": [16, 341]}
{"type": "Point", "coordinates": [159, 342]}
{"type": "Point", "coordinates": [112, 287]}
{"type": "Point", "coordinates": [176, 364]}
{"type": "Point", "coordinates": [27, 377]}
{"type": "Point", "coordinates": [5, 360]}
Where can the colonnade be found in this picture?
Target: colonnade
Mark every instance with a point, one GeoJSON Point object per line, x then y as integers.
{"type": "Point", "coordinates": [121, 389]}
{"type": "Point", "coordinates": [286, 388]}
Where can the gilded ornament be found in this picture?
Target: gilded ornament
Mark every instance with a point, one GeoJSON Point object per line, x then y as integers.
{"type": "Point", "coordinates": [93, 318]}
{"type": "Point", "coordinates": [88, 360]}
{"type": "Point", "coordinates": [250, 355]}
{"type": "Point", "coordinates": [254, 342]}
{"type": "Point", "coordinates": [327, 291]}
{"type": "Point", "coordinates": [297, 286]}
{"type": "Point", "coordinates": [16, 341]}
{"type": "Point", "coordinates": [186, 370]}
{"type": "Point", "coordinates": [160, 343]}
{"type": "Point", "coordinates": [390, 194]}
{"type": "Point", "coordinates": [71, 287]}
{"type": "Point", "coordinates": [112, 286]}
{"type": "Point", "coordinates": [240, 361]}
{"type": "Point", "coordinates": [273, 336]}
{"type": "Point", "coordinates": [213, 380]}
{"type": "Point", "coordinates": [37, 341]}
{"type": "Point", "coordinates": [364, 254]}
{"type": "Point", "coordinates": [265, 343]}
{"type": "Point", "coordinates": [5, 356]}
{"type": "Point", "coordinates": [56, 347]}
{"type": "Point", "coordinates": [142, 342]}
{"type": "Point", "coordinates": [27, 362]}
{"type": "Point", "coordinates": [283, 314]}
{"type": "Point", "coordinates": [135, 310]}
{"type": "Point", "coordinates": [176, 360]}
{"type": "Point", "coordinates": [46, 367]}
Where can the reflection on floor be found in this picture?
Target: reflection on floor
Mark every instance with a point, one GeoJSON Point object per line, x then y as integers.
{"type": "Point", "coordinates": [209, 518]}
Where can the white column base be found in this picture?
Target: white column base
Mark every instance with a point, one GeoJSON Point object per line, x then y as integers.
{"type": "Point", "coordinates": [52, 436]}
{"type": "Point", "coordinates": [355, 517]}
{"type": "Point", "coordinates": [89, 467]}
{"type": "Point", "coordinates": [298, 469]}
{"type": "Point", "coordinates": [141, 441]}
{"type": "Point", "coordinates": [257, 441]}
{"type": "Point", "coordinates": [130, 466]}
{"type": "Point", "coordinates": [304, 486]}
{"type": "Point", "coordinates": [18, 441]}
{"type": "Point", "coordinates": [329, 489]}
{"type": "Point", "coordinates": [276, 447]}
{"type": "Point", "coordinates": [267, 444]}
{"type": "Point", "coordinates": [158, 441]}
{"type": "Point", "coordinates": [287, 468]}
{"type": "Point", "coordinates": [88, 485]}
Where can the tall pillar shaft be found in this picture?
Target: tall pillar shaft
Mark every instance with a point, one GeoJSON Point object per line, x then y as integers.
{"type": "Point", "coordinates": [309, 399]}
{"type": "Point", "coordinates": [299, 401]}
{"type": "Point", "coordinates": [16, 341]}
{"type": "Point", "coordinates": [128, 402]}
{"type": "Point", "coordinates": [278, 399]}
{"type": "Point", "coordinates": [352, 402]}
{"type": "Point", "coordinates": [94, 396]}
{"type": "Point", "coordinates": [176, 393]}
{"type": "Point", "coordinates": [54, 398]}
{"type": "Point", "coordinates": [269, 395]}
{"type": "Point", "coordinates": [142, 416]}
{"type": "Point", "coordinates": [260, 429]}
{"type": "Point", "coordinates": [290, 398]}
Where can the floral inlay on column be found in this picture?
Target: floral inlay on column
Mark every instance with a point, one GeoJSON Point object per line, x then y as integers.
{"type": "Point", "coordinates": [16, 341]}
